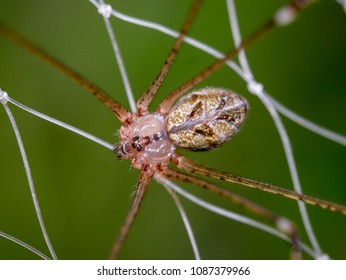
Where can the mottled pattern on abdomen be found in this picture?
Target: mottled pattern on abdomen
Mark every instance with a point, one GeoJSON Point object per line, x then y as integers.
{"type": "Point", "coordinates": [205, 119]}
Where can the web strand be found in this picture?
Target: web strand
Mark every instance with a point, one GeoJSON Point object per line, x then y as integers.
{"type": "Point", "coordinates": [30, 180]}
{"type": "Point", "coordinates": [278, 123]}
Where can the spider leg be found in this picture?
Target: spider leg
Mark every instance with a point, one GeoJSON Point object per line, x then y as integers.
{"type": "Point", "coordinates": [166, 105]}
{"type": "Point", "coordinates": [169, 101]}
{"type": "Point", "coordinates": [142, 186]}
{"type": "Point", "coordinates": [145, 100]}
{"type": "Point", "coordinates": [283, 224]}
{"type": "Point", "coordinates": [194, 167]}
{"type": "Point", "coordinates": [121, 113]}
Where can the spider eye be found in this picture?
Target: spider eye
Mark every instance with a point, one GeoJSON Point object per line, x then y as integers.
{"type": "Point", "coordinates": [139, 148]}
{"type": "Point", "coordinates": [135, 138]}
{"type": "Point", "coordinates": [133, 145]}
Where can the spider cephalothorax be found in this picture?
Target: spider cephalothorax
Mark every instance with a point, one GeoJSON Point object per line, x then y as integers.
{"type": "Point", "coordinates": [145, 142]}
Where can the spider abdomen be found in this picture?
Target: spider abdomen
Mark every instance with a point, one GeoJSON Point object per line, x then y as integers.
{"type": "Point", "coordinates": [206, 118]}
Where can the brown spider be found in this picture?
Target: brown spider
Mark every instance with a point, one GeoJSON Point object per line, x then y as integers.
{"type": "Point", "coordinates": [202, 120]}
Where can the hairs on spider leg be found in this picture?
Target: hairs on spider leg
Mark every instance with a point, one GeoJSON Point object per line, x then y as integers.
{"type": "Point", "coordinates": [283, 224]}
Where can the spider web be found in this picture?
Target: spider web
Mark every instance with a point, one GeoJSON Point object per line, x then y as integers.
{"type": "Point", "coordinates": [267, 162]}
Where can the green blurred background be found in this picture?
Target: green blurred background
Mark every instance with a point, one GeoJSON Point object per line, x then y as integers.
{"type": "Point", "coordinates": [85, 192]}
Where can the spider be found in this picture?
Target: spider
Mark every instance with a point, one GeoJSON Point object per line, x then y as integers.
{"type": "Point", "coordinates": [136, 145]}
